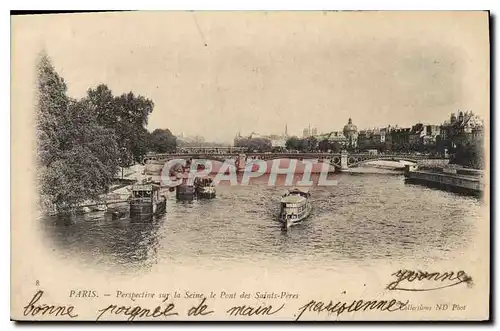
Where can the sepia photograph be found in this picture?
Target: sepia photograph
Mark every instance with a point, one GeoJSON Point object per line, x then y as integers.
{"type": "Point", "coordinates": [251, 166]}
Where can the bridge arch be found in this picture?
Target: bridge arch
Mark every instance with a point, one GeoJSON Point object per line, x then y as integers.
{"type": "Point", "coordinates": [354, 161]}
{"type": "Point", "coordinates": [342, 160]}
{"type": "Point", "coordinates": [210, 157]}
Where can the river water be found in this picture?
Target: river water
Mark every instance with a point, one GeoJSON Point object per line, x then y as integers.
{"type": "Point", "coordinates": [365, 218]}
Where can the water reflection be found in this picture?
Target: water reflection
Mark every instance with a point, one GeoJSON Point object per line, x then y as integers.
{"type": "Point", "coordinates": [97, 239]}
{"type": "Point", "coordinates": [363, 218]}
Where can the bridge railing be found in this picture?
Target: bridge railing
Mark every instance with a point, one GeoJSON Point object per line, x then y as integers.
{"type": "Point", "coordinates": [401, 156]}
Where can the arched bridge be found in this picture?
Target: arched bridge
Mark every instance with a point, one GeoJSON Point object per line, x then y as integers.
{"type": "Point", "coordinates": [342, 161]}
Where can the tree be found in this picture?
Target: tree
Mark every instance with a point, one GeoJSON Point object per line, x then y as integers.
{"type": "Point", "coordinates": [324, 145]}
{"type": "Point", "coordinates": [162, 141]}
{"type": "Point", "coordinates": [102, 102]}
{"type": "Point", "coordinates": [127, 115]}
{"type": "Point", "coordinates": [78, 157]}
{"type": "Point", "coordinates": [255, 144]}
{"type": "Point", "coordinates": [336, 147]}
{"type": "Point", "coordinates": [294, 143]}
{"type": "Point", "coordinates": [310, 144]}
{"type": "Point", "coordinates": [99, 142]}
{"type": "Point", "coordinates": [51, 110]}
{"type": "Point", "coordinates": [133, 112]}
{"type": "Point", "coordinates": [259, 144]}
{"type": "Point", "coordinates": [242, 142]}
{"type": "Point", "coordinates": [468, 154]}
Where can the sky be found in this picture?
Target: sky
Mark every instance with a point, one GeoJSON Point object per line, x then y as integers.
{"type": "Point", "coordinates": [219, 73]}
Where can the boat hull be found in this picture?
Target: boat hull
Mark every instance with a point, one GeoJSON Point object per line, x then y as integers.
{"type": "Point", "coordinates": [185, 192]}
{"type": "Point", "coordinates": [293, 221]}
{"type": "Point", "coordinates": [143, 211]}
{"type": "Point", "coordinates": [205, 195]}
{"type": "Point", "coordinates": [205, 192]}
{"type": "Point", "coordinates": [295, 207]}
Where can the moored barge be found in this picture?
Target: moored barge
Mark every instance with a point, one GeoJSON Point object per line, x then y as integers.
{"type": "Point", "coordinates": [146, 201]}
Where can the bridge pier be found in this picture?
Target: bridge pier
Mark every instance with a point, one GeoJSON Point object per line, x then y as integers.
{"type": "Point", "coordinates": [241, 162]}
{"type": "Point", "coordinates": [343, 161]}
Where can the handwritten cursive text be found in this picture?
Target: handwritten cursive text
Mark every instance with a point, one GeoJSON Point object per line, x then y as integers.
{"type": "Point", "coordinates": [439, 280]}
{"type": "Point", "coordinates": [201, 309]}
{"type": "Point", "coordinates": [34, 308]}
{"type": "Point", "coordinates": [356, 305]}
{"type": "Point", "coordinates": [245, 310]}
{"type": "Point", "coordinates": [138, 311]}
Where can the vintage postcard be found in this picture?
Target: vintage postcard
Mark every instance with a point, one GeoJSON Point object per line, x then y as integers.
{"type": "Point", "coordinates": [251, 166]}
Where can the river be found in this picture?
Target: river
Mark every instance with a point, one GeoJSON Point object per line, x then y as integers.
{"type": "Point", "coordinates": [365, 218]}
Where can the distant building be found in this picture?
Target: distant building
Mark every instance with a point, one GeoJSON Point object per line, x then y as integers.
{"type": "Point", "coordinates": [278, 140]}
{"type": "Point", "coordinates": [364, 139]}
{"type": "Point", "coordinates": [464, 127]}
{"type": "Point", "coordinates": [351, 133]}
{"type": "Point", "coordinates": [275, 140]}
{"type": "Point", "coordinates": [473, 123]}
{"type": "Point", "coordinates": [308, 132]}
{"type": "Point", "coordinates": [337, 137]}
{"type": "Point", "coordinates": [400, 139]}
{"type": "Point", "coordinates": [431, 133]}
{"type": "Point", "coordinates": [190, 140]}
{"type": "Point", "coordinates": [477, 133]}
{"type": "Point", "coordinates": [332, 137]}
{"type": "Point", "coordinates": [376, 138]}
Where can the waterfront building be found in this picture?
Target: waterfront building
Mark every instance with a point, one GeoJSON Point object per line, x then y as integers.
{"type": "Point", "coordinates": [375, 138]}
{"type": "Point", "coordinates": [367, 139]}
{"type": "Point", "coordinates": [400, 139]}
{"type": "Point", "coordinates": [431, 133]}
{"type": "Point", "coordinates": [332, 137]}
{"type": "Point", "coordinates": [424, 135]}
{"type": "Point", "coordinates": [385, 138]}
{"type": "Point", "coordinates": [416, 134]}
{"type": "Point", "coordinates": [364, 139]}
{"type": "Point", "coordinates": [459, 129]}
{"type": "Point", "coordinates": [472, 123]}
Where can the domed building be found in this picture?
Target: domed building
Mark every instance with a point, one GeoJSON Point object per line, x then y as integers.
{"type": "Point", "coordinates": [351, 134]}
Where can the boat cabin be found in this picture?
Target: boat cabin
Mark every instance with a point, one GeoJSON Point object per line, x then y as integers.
{"type": "Point", "coordinates": [295, 204]}
{"type": "Point", "coordinates": [146, 200]}
{"type": "Point", "coordinates": [203, 181]}
{"type": "Point", "coordinates": [204, 187]}
{"type": "Point", "coordinates": [145, 193]}
{"type": "Point", "coordinates": [298, 191]}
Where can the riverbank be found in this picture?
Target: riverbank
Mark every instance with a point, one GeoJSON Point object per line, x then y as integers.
{"type": "Point", "coordinates": [118, 193]}
{"type": "Point", "coordinates": [466, 181]}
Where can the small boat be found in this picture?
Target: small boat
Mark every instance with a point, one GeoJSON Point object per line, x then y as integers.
{"type": "Point", "coordinates": [185, 191]}
{"type": "Point", "coordinates": [118, 214]}
{"type": "Point", "coordinates": [146, 200]}
{"type": "Point", "coordinates": [204, 187]}
{"type": "Point", "coordinates": [295, 206]}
